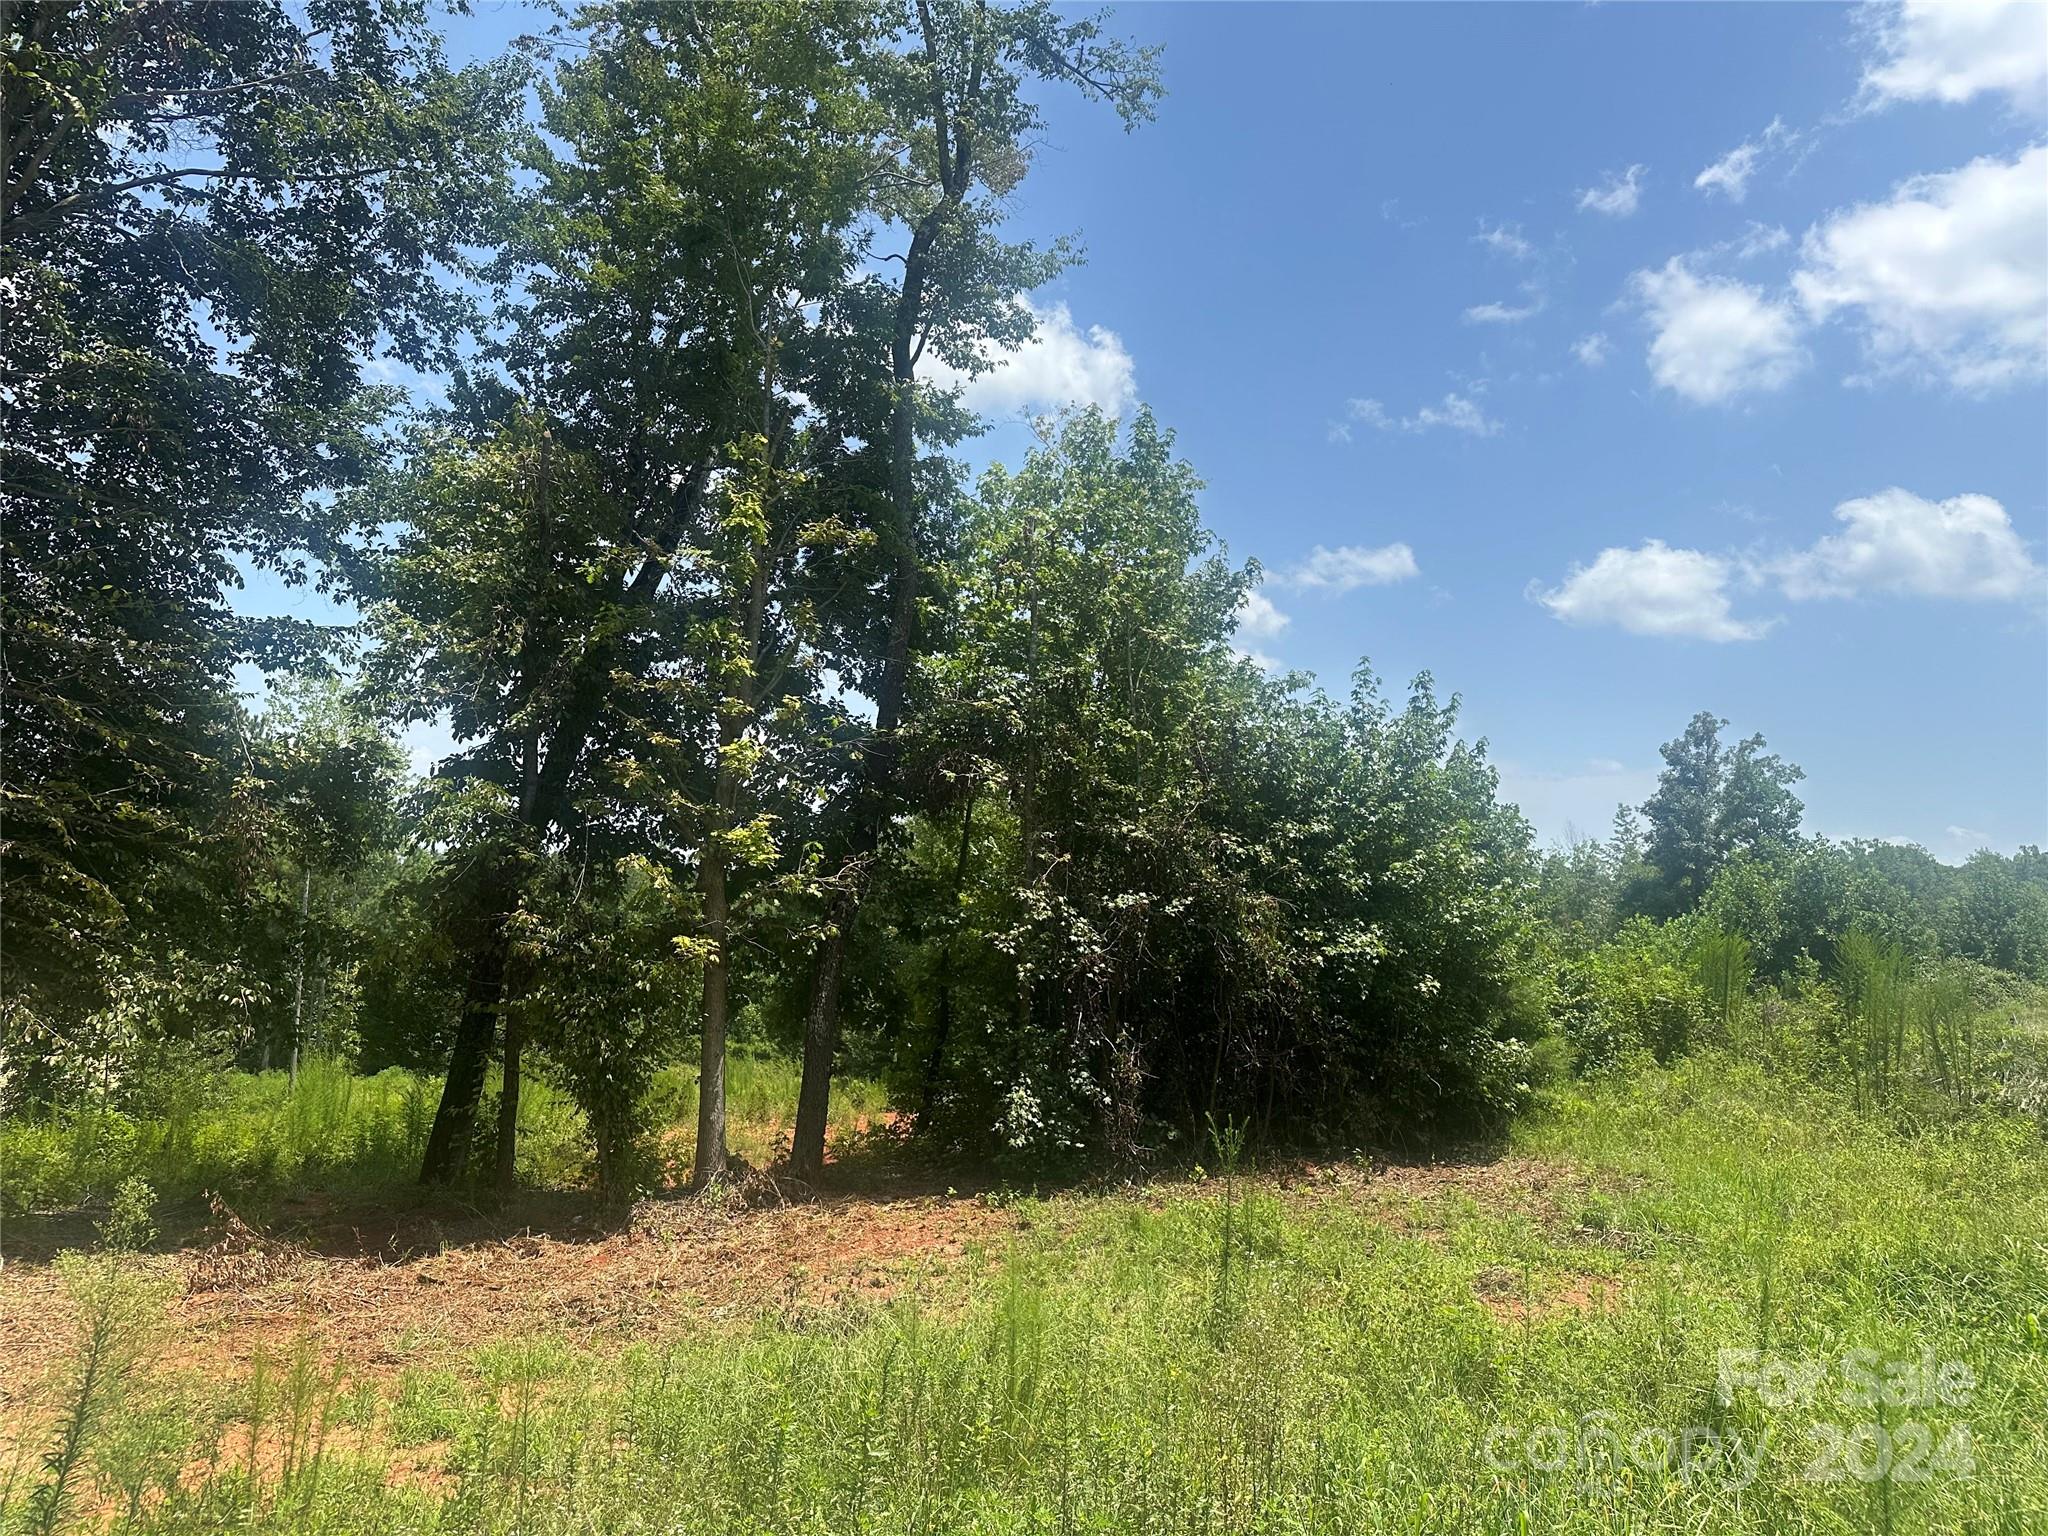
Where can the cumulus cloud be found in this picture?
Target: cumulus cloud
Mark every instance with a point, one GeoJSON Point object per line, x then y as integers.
{"type": "Point", "coordinates": [1459, 413]}
{"type": "Point", "coordinates": [1948, 279]}
{"type": "Point", "coordinates": [1060, 365]}
{"type": "Point", "coordinates": [1716, 338]}
{"type": "Point", "coordinates": [1653, 589]}
{"type": "Point", "coordinates": [1350, 566]}
{"type": "Point", "coordinates": [1591, 351]}
{"type": "Point", "coordinates": [1895, 542]}
{"type": "Point", "coordinates": [1618, 195]}
{"type": "Point", "coordinates": [1729, 175]}
{"type": "Point", "coordinates": [1256, 616]}
{"type": "Point", "coordinates": [1952, 50]}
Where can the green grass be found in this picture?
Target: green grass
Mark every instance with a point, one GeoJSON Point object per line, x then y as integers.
{"type": "Point", "coordinates": [760, 1102]}
{"type": "Point", "coordinates": [253, 1136]}
{"type": "Point", "coordinates": [1381, 1357]}
{"type": "Point", "coordinates": [234, 1132]}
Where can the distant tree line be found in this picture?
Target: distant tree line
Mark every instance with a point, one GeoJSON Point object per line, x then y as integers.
{"type": "Point", "coordinates": [1720, 843]}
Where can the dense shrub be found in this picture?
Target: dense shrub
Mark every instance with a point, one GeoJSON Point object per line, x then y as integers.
{"type": "Point", "coordinates": [1152, 885]}
{"type": "Point", "coordinates": [1639, 995]}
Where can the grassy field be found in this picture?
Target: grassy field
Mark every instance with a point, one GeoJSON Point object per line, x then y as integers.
{"type": "Point", "coordinates": [1692, 1301]}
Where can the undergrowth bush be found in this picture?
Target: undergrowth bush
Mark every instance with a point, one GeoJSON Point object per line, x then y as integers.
{"type": "Point", "coordinates": [1641, 995]}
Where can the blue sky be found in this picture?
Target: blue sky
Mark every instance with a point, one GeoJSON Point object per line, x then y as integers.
{"type": "Point", "coordinates": [1620, 361]}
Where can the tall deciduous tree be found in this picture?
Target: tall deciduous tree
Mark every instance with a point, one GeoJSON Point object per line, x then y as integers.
{"type": "Point", "coordinates": [1683, 845]}
{"type": "Point", "coordinates": [962, 119]}
{"type": "Point", "coordinates": [613, 575]}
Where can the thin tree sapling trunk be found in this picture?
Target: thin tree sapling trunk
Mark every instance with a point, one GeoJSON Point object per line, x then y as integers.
{"type": "Point", "coordinates": [710, 1162]}
{"type": "Point", "coordinates": [508, 1107]}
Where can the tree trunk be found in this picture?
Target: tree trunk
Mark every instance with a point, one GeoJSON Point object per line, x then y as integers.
{"type": "Point", "coordinates": [871, 818]}
{"type": "Point", "coordinates": [942, 1027]}
{"type": "Point", "coordinates": [448, 1144]}
{"type": "Point", "coordinates": [821, 1041]}
{"type": "Point", "coordinates": [299, 990]}
{"type": "Point", "coordinates": [545, 791]}
{"type": "Point", "coordinates": [955, 148]}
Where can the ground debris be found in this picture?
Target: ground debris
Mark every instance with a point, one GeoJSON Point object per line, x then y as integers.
{"type": "Point", "coordinates": [241, 1256]}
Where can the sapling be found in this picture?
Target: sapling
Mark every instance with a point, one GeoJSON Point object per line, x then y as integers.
{"type": "Point", "coordinates": [1228, 1142]}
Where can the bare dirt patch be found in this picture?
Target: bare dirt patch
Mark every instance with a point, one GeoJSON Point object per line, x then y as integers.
{"type": "Point", "coordinates": [1515, 1297]}
{"type": "Point", "coordinates": [404, 1297]}
{"type": "Point", "coordinates": [1551, 1194]}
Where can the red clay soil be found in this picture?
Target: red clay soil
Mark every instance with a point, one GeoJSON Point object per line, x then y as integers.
{"type": "Point", "coordinates": [422, 1286]}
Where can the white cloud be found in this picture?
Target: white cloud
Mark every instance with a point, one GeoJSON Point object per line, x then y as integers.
{"type": "Point", "coordinates": [1591, 350]}
{"type": "Point", "coordinates": [1964, 548]}
{"type": "Point", "coordinates": [1257, 616]}
{"type": "Point", "coordinates": [1503, 314]}
{"type": "Point", "coordinates": [1896, 542]}
{"type": "Point", "coordinates": [1618, 195]}
{"type": "Point", "coordinates": [1652, 590]}
{"type": "Point", "coordinates": [1060, 365]}
{"type": "Point", "coordinates": [1964, 841]}
{"type": "Point", "coordinates": [1716, 338]}
{"type": "Point", "coordinates": [1457, 412]}
{"type": "Point", "coordinates": [1757, 240]}
{"type": "Point", "coordinates": [1370, 412]}
{"type": "Point", "coordinates": [1952, 50]}
{"type": "Point", "coordinates": [1351, 566]}
{"type": "Point", "coordinates": [1729, 175]}
{"type": "Point", "coordinates": [1949, 278]}
{"type": "Point", "coordinates": [1505, 240]}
